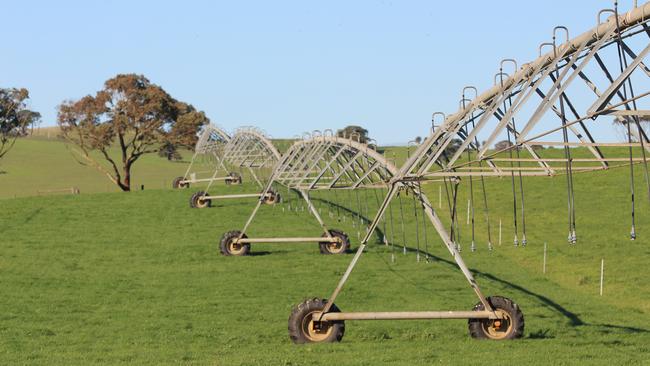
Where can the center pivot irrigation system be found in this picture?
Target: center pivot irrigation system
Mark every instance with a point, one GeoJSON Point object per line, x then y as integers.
{"type": "Point", "coordinates": [319, 162]}
{"type": "Point", "coordinates": [209, 149]}
{"type": "Point", "coordinates": [251, 150]}
{"type": "Point", "coordinates": [556, 100]}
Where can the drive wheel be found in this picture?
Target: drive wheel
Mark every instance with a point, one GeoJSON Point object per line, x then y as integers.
{"type": "Point", "coordinates": [178, 182]}
{"type": "Point", "coordinates": [197, 200]}
{"type": "Point", "coordinates": [233, 178]}
{"type": "Point", "coordinates": [510, 326]}
{"type": "Point", "coordinates": [335, 247]}
{"type": "Point", "coordinates": [303, 328]}
{"type": "Point", "coordinates": [228, 247]}
{"type": "Point", "coordinates": [272, 198]}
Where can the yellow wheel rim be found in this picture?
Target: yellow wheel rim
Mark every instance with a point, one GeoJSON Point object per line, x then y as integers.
{"type": "Point", "coordinates": [498, 328]}
{"type": "Point", "coordinates": [335, 247]}
{"type": "Point", "coordinates": [235, 248]}
{"type": "Point", "coordinates": [201, 203]}
{"type": "Point", "coordinates": [310, 331]}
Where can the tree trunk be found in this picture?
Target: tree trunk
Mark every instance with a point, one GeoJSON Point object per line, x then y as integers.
{"type": "Point", "coordinates": [125, 184]}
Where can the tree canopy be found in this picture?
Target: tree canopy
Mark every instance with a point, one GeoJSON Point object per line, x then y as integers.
{"type": "Point", "coordinates": [352, 132]}
{"type": "Point", "coordinates": [132, 114]}
{"type": "Point", "coordinates": [502, 145]}
{"type": "Point", "coordinates": [14, 117]}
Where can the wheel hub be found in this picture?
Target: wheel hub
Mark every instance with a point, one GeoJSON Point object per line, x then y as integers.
{"type": "Point", "coordinates": [315, 331]}
{"type": "Point", "coordinates": [498, 328]}
{"type": "Point", "coordinates": [235, 248]}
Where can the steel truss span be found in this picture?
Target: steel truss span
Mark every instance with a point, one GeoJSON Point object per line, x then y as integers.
{"type": "Point", "coordinates": [249, 150]}
{"type": "Point", "coordinates": [209, 147]}
{"type": "Point", "coordinates": [556, 100]}
{"type": "Point", "coordinates": [320, 162]}
{"type": "Point", "coordinates": [566, 98]}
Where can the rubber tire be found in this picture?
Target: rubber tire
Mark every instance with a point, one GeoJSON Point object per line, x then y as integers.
{"type": "Point", "coordinates": [324, 246]}
{"type": "Point", "coordinates": [498, 303]}
{"type": "Point", "coordinates": [224, 244]}
{"type": "Point", "coordinates": [176, 183]}
{"type": "Point", "coordinates": [273, 199]}
{"type": "Point", "coordinates": [302, 310]}
{"type": "Point", "coordinates": [234, 178]}
{"type": "Point", "coordinates": [195, 200]}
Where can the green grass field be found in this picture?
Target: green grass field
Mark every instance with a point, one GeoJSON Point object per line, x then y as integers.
{"type": "Point", "coordinates": [39, 164]}
{"type": "Point", "coordinates": [136, 278]}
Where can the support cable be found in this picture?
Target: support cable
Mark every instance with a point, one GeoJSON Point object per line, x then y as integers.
{"type": "Point", "coordinates": [471, 184]}
{"type": "Point", "coordinates": [454, 216]}
{"type": "Point", "coordinates": [624, 65]}
{"type": "Point", "coordinates": [521, 179]}
{"type": "Point", "coordinates": [512, 172]}
{"type": "Point", "coordinates": [401, 211]}
{"type": "Point", "coordinates": [572, 238]}
{"type": "Point", "coordinates": [424, 224]}
{"type": "Point", "coordinates": [485, 200]}
{"type": "Point", "coordinates": [392, 232]}
{"type": "Point", "coordinates": [417, 228]}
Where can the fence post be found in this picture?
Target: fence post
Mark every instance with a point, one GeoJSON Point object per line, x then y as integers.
{"type": "Point", "coordinates": [602, 275]}
{"type": "Point", "coordinates": [544, 265]}
{"type": "Point", "coordinates": [499, 231]}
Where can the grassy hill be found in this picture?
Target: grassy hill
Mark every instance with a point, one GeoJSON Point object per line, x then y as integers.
{"type": "Point", "coordinates": [114, 278]}
{"type": "Point", "coordinates": [40, 164]}
{"type": "Point", "coordinates": [43, 163]}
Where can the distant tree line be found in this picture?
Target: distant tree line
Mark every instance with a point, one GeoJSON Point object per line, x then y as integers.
{"type": "Point", "coordinates": [352, 132]}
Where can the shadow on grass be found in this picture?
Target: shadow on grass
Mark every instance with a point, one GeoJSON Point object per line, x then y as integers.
{"type": "Point", "coordinates": [28, 218]}
{"type": "Point", "coordinates": [378, 233]}
{"type": "Point", "coordinates": [621, 327]}
{"type": "Point", "coordinates": [541, 334]}
{"type": "Point", "coordinates": [573, 318]}
{"type": "Point", "coordinates": [258, 254]}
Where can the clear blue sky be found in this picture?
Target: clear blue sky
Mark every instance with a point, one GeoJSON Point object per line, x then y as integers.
{"type": "Point", "coordinates": [285, 66]}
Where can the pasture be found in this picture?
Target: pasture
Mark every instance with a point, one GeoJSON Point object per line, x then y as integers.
{"type": "Point", "coordinates": [137, 278]}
